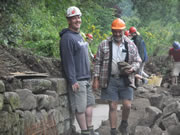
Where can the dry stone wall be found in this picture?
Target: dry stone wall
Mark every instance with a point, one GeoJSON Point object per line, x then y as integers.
{"type": "Point", "coordinates": [34, 106]}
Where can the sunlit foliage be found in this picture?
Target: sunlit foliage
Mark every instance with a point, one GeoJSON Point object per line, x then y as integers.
{"type": "Point", "coordinates": [35, 24]}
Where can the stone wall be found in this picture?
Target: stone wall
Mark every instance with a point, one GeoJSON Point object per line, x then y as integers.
{"type": "Point", "coordinates": [34, 107]}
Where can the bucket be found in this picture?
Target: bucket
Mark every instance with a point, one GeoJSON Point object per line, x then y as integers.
{"type": "Point", "coordinates": [155, 80]}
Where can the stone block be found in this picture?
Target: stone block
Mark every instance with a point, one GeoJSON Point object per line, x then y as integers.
{"type": "Point", "coordinates": [59, 85]}
{"type": "Point", "coordinates": [170, 120]}
{"type": "Point", "coordinates": [172, 107]}
{"type": "Point", "coordinates": [45, 102]}
{"type": "Point", "coordinates": [1, 101]}
{"type": "Point", "coordinates": [13, 99]}
{"type": "Point", "coordinates": [37, 86]}
{"type": "Point", "coordinates": [2, 86]}
{"type": "Point", "coordinates": [27, 99]}
{"type": "Point", "coordinates": [142, 130]}
{"type": "Point", "coordinates": [8, 120]}
{"type": "Point", "coordinates": [156, 100]}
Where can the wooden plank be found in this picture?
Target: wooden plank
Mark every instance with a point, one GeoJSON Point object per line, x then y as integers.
{"type": "Point", "coordinates": [29, 74]}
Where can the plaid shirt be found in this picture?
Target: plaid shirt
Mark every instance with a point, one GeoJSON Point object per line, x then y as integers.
{"type": "Point", "coordinates": [103, 61]}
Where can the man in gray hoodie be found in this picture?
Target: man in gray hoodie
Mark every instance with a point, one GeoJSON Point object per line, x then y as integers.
{"type": "Point", "coordinates": [76, 67]}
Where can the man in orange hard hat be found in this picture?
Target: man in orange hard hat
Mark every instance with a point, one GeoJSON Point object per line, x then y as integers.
{"type": "Point", "coordinates": [108, 77]}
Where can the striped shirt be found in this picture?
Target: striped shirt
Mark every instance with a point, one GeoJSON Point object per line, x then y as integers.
{"type": "Point", "coordinates": [103, 61]}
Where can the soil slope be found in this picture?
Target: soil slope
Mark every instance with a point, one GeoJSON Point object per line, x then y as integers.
{"type": "Point", "coordinates": [21, 60]}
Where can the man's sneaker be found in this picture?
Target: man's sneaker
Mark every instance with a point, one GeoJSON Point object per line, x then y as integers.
{"type": "Point", "coordinates": [123, 128]}
{"type": "Point", "coordinates": [114, 132]}
{"type": "Point", "coordinates": [92, 132]}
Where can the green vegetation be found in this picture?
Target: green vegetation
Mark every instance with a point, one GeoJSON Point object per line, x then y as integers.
{"type": "Point", "coordinates": [36, 24]}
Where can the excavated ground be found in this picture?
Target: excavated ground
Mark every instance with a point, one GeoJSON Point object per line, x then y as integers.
{"type": "Point", "coordinates": [21, 60]}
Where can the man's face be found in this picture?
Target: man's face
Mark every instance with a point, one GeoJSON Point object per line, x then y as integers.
{"type": "Point", "coordinates": [133, 34]}
{"type": "Point", "coordinates": [75, 23]}
{"type": "Point", "coordinates": [117, 35]}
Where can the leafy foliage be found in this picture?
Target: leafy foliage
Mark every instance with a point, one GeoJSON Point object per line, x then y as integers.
{"type": "Point", "coordinates": [36, 24]}
{"type": "Point", "coordinates": [159, 21]}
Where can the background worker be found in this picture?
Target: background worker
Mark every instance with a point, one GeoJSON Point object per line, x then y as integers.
{"type": "Point", "coordinates": [126, 33]}
{"type": "Point", "coordinates": [89, 39]}
{"type": "Point", "coordinates": [136, 76]}
{"type": "Point", "coordinates": [76, 66]}
{"type": "Point", "coordinates": [139, 42]}
{"type": "Point", "coordinates": [174, 54]}
{"type": "Point", "coordinates": [117, 48]}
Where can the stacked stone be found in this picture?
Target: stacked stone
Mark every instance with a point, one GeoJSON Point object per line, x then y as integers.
{"type": "Point", "coordinates": [30, 106]}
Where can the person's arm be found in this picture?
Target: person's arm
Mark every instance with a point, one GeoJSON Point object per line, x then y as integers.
{"type": "Point", "coordinates": [67, 50]}
{"type": "Point", "coordinates": [98, 59]}
{"type": "Point", "coordinates": [140, 48]}
{"type": "Point", "coordinates": [136, 59]}
{"type": "Point", "coordinates": [144, 51]}
{"type": "Point", "coordinates": [90, 53]}
{"type": "Point", "coordinates": [97, 66]}
{"type": "Point", "coordinates": [95, 83]}
{"type": "Point", "coordinates": [171, 55]}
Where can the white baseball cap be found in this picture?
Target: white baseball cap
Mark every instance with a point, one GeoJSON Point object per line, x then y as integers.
{"type": "Point", "coordinates": [73, 11]}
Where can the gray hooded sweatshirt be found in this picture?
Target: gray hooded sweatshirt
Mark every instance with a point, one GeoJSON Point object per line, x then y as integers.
{"type": "Point", "coordinates": [74, 56]}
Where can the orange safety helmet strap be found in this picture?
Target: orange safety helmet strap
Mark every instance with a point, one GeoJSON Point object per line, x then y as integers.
{"type": "Point", "coordinates": [118, 24]}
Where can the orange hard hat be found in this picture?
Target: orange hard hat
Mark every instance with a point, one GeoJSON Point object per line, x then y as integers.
{"type": "Point", "coordinates": [132, 30]}
{"type": "Point", "coordinates": [90, 36]}
{"type": "Point", "coordinates": [127, 33]}
{"type": "Point", "coordinates": [118, 24]}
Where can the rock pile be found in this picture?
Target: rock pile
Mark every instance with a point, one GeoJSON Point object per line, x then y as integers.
{"type": "Point", "coordinates": [162, 116]}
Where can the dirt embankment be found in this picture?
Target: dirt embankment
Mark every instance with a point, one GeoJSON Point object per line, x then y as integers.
{"type": "Point", "coordinates": [21, 60]}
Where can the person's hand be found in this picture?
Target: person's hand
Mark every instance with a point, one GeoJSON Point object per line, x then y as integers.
{"type": "Point", "coordinates": [95, 84]}
{"type": "Point", "coordinates": [75, 87]}
{"type": "Point", "coordinates": [129, 71]}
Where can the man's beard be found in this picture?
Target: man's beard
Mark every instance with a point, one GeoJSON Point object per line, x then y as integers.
{"type": "Point", "coordinates": [117, 39]}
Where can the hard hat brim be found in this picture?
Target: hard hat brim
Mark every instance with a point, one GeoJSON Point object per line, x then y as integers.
{"type": "Point", "coordinates": [118, 28]}
{"type": "Point", "coordinates": [68, 16]}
